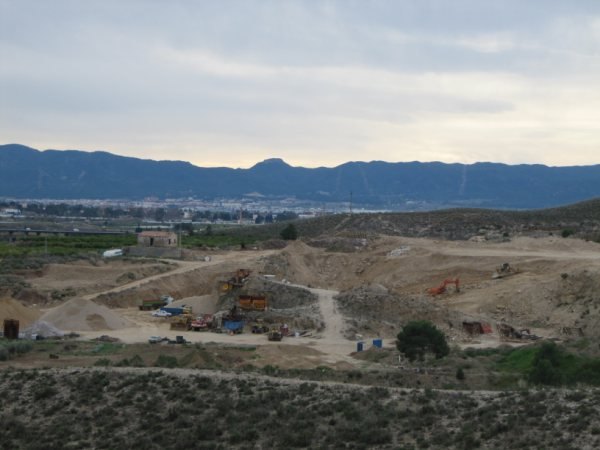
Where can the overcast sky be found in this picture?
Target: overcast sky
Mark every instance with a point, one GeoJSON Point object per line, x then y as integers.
{"type": "Point", "coordinates": [317, 83]}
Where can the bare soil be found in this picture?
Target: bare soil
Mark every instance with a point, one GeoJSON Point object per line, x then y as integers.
{"type": "Point", "coordinates": [364, 291]}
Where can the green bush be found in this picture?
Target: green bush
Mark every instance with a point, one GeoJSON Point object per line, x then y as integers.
{"type": "Point", "coordinates": [102, 362]}
{"type": "Point", "coordinates": [11, 348]}
{"type": "Point", "coordinates": [420, 337]}
{"type": "Point", "coordinates": [566, 233]}
{"type": "Point", "coordinates": [289, 233]}
{"type": "Point", "coordinates": [546, 365]}
{"type": "Point", "coordinates": [166, 361]}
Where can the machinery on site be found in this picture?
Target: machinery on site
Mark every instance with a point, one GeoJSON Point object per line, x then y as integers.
{"type": "Point", "coordinates": [442, 287]}
{"type": "Point", "coordinates": [202, 323]}
{"type": "Point", "coordinates": [236, 281]}
{"type": "Point", "coordinates": [505, 270]}
{"type": "Point", "coordinates": [253, 302]}
{"type": "Point", "coordinates": [508, 332]}
{"type": "Point", "coordinates": [149, 305]}
{"type": "Point", "coordinates": [182, 321]}
{"type": "Point", "coordinates": [275, 335]}
{"type": "Point", "coordinates": [259, 327]}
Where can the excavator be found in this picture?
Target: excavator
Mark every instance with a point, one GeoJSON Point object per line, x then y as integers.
{"type": "Point", "coordinates": [505, 270]}
{"type": "Point", "coordinates": [442, 287]}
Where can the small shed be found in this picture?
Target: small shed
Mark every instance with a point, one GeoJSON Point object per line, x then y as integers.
{"type": "Point", "coordinates": [474, 327]}
{"type": "Point", "coordinates": [157, 239]}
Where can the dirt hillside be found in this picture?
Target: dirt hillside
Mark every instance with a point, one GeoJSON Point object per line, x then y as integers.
{"type": "Point", "coordinates": [13, 309]}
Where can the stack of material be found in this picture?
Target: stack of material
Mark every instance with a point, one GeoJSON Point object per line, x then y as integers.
{"type": "Point", "coordinates": [84, 315]}
{"type": "Point", "coordinates": [44, 329]}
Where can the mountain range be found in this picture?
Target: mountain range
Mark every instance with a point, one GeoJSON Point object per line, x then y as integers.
{"type": "Point", "coordinates": [70, 174]}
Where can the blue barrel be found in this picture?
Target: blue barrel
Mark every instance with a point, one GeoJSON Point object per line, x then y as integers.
{"type": "Point", "coordinates": [360, 346]}
{"type": "Point", "coordinates": [378, 343]}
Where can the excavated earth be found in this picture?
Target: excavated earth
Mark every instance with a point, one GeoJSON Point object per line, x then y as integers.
{"type": "Point", "coordinates": [364, 288]}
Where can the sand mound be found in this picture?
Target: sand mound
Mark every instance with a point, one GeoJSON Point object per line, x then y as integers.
{"type": "Point", "coordinates": [84, 315]}
{"type": "Point", "coordinates": [42, 328]}
{"type": "Point", "coordinates": [12, 309]}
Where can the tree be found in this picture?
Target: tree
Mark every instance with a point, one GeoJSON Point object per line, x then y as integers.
{"type": "Point", "coordinates": [420, 337]}
{"type": "Point", "coordinates": [289, 233]}
{"type": "Point", "coordinates": [545, 368]}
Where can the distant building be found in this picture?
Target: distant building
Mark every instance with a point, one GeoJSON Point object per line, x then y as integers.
{"type": "Point", "coordinates": [10, 212]}
{"type": "Point", "coordinates": [157, 239]}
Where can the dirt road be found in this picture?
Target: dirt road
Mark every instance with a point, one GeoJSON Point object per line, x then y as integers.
{"type": "Point", "coordinates": [184, 267]}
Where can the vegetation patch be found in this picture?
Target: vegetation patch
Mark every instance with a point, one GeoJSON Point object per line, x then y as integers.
{"type": "Point", "coordinates": [150, 409]}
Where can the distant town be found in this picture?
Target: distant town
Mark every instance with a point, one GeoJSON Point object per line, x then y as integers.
{"type": "Point", "coordinates": [153, 210]}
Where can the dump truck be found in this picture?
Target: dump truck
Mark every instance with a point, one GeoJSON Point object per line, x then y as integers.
{"type": "Point", "coordinates": [253, 302]}
{"type": "Point", "coordinates": [182, 322]}
{"type": "Point", "coordinates": [177, 310]}
{"type": "Point", "coordinates": [149, 305]}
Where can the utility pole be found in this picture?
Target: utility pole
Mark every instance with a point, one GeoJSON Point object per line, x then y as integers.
{"type": "Point", "coordinates": [180, 227]}
{"type": "Point", "coordinates": [350, 202]}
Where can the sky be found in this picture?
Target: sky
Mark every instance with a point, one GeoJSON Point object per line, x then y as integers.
{"type": "Point", "coordinates": [315, 82]}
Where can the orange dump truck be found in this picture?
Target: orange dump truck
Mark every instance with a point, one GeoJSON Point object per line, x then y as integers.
{"type": "Point", "coordinates": [253, 302]}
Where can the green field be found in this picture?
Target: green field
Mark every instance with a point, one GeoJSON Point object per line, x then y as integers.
{"type": "Point", "coordinates": [63, 245]}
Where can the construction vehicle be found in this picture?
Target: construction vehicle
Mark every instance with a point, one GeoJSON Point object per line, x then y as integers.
{"type": "Point", "coordinates": [505, 270]}
{"type": "Point", "coordinates": [259, 327]}
{"type": "Point", "coordinates": [177, 310]}
{"type": "Point", "coordinates": [235, 281]}
{"type": "Point", "coordinates": [149, 305]}
{"type": "Point", "coordinates": [202, 323]}
{"type": "Point", "coordinates": [442, 287]}
{"type": "Point", "coordinates": [275, 335]}
{"type": "Point", "coordinates": [253, 302]}
{"type": "Point", "coordinates": [182, 321]}
{"type": "Point", "coordinates": [508, 332]}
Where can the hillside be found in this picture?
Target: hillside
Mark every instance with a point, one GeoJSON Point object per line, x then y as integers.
{"type": "Point", "coordinates": [29, 173]}
{"type": "Point", "coordinates": [582, 219]}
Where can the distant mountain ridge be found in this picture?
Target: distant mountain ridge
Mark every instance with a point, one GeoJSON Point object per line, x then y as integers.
{"type": "Point", "coordinates": [70, 174]}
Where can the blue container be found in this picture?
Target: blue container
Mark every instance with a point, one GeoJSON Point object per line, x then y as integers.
{"type": "Point", "coordinates": [175, 311]}
{"type": "Point", "coordinates": [233, 325]}
{"type": "Point", "coordinates": [360, 346]}
{"type": "Point", "coordinates": [378, 343]}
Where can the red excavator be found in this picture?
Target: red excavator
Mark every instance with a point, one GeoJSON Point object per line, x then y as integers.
{"type": "Point", "coordinates": [442, 287]}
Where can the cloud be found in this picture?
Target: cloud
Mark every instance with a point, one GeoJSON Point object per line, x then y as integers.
{"type": "Point", "coordinates": [316, 83]}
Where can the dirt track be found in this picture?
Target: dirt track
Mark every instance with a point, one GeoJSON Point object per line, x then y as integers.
{"type": "Point", "coordinates": [554, 288]}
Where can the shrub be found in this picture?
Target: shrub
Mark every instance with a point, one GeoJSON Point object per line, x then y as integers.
{"type": "Point", "coordinates": [420, 337]}
{"type": "Point", "coordinates": [289, 233]}
{"type": "Point", "coordinates": [545, 368]}
{"type": "Point", "coordinates": [166, 361]}
{"type": "Point", "coordinates": [102, 362]}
